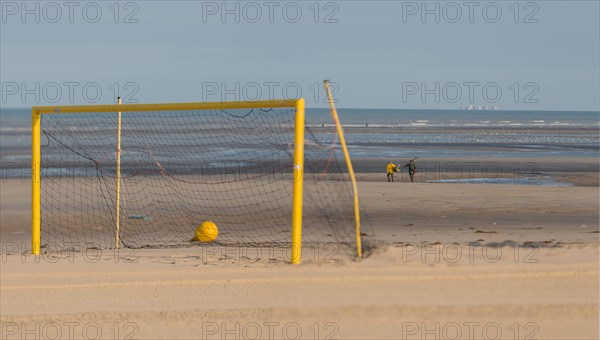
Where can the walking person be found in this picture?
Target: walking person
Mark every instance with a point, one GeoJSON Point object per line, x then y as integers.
{"type": "Point", "coordinates": [412, 168]}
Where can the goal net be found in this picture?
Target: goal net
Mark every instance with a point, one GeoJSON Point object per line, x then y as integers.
{"type": "Point", "coordinates": [236, 164]}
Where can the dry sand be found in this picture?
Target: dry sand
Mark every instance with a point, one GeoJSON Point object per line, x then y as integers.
{"type": "Point", "coordinates": [435, 274]}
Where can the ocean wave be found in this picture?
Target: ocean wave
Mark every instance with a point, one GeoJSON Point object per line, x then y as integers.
{"type": "Point", "coordinates": [490, 124]}
{"type": "Point", "coordinates": [12, 129]}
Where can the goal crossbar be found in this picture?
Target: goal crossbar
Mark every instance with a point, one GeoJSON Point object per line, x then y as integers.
{"type": "Point", "coordinates": [168, 106]}
{"type": "Point", "coordinates": [298, 158]}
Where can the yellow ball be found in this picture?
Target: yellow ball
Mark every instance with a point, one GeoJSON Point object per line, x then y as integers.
{"type": "Point", "coordinates": [207, 232]}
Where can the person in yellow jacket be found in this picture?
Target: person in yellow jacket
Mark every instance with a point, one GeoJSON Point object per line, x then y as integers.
{"type": "Point", "coordinates": [391, 168]}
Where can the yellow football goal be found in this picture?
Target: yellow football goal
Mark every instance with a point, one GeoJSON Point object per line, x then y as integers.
{"type": "Point", "coordinates": [147, 175]}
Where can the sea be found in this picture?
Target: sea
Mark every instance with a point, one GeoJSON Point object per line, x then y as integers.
{"type": "Point", "coordinates": [402, 134]}
{"type": "Point", "coordinates": [467, 133]}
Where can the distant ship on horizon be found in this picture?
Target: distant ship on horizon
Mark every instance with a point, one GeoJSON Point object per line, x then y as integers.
{"type": "Point", "coordinates": [479, 108]}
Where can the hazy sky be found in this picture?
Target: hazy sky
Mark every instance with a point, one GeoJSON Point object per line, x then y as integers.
{"type": "Point", "coordinates": [538, 55]}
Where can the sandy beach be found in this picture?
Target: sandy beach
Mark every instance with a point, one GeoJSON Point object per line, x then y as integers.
{"type": "Point", "coordinates": [463, 261]}
{"type": "Point", "coordinates": [182, 151]}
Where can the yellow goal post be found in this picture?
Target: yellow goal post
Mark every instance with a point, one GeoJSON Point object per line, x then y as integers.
{"type": "Point", "coordinates": [298, 168]}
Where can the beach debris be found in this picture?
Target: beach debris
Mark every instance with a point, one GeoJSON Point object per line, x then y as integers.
{"type": "Point", "coordinates": [531, 244]}
{"type": "Point", "coordinates": [506, 243]}
{"type": "Point", "coordinates": [514, 244]}
{"type": "Point", "coordinates": [140, 217]}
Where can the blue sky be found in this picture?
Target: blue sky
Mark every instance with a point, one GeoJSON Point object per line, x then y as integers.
{"type": "Point", "coordinates": [536, 55]}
